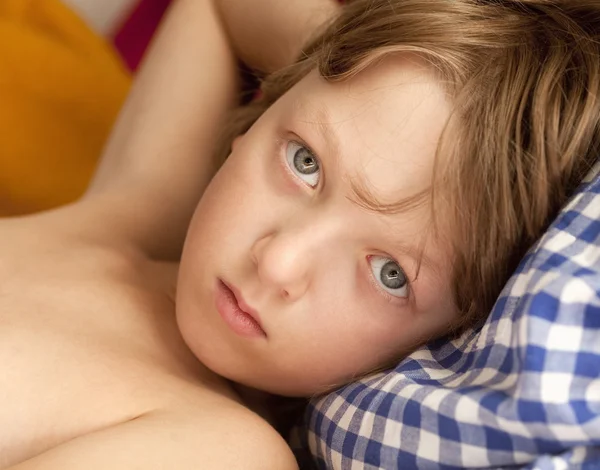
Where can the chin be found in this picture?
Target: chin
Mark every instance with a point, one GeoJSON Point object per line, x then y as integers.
{"type": "Point", "coordinates": [283, 385]}
{"type": "Point", "coordinates": [186, 331]}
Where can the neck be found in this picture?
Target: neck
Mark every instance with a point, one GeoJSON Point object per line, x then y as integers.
{"type": "Point", "coordinates": [280, 412]}
{"type": "Point", "coordinates": [256, 400]}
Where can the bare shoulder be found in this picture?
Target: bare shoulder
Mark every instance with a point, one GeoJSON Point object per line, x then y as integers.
{"type": "Point", "coordinates": [243, 439]}
{"type": "Point", "coordinates": [70, 245]}
{"type": "Point", "coordinates": [223, 438]}
{"type": "Point", "coordinates": [82, 223]}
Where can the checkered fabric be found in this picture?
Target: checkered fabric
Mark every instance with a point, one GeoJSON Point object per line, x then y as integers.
{"type": "Point", "coordinates": [523, 391]}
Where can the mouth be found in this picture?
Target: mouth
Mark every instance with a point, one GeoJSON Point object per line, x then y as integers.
{"type": "Point", "coordinates": [238, 315]}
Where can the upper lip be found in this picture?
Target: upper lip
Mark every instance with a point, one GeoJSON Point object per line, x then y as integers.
{"type": "Point", "coordinates": [242, 303]}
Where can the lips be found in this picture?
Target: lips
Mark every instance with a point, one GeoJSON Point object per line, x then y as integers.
{"type": "Point", "coordinates": [239, 316]}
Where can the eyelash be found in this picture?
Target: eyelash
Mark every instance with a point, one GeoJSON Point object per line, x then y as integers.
{"type": "Point", "coordinates": [396, 301]}
{"type": "Point", "coordinates": [283, 143]}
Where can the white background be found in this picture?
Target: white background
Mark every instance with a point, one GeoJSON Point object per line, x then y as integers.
{"type": "Point", "coordinates": [104, 16]}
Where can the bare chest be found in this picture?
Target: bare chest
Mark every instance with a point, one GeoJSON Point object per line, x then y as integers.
{"type": "Point", "coordinates": [85, 348]}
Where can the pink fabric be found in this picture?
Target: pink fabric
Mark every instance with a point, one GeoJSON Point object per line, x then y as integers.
{"type": "Point", "coordinates": [132, 39]}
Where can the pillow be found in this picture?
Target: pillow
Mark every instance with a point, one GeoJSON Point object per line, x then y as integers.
{"type": "Point", "coordinates": [523, 390]}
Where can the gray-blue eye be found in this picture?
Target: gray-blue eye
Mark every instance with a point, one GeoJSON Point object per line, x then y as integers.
{"type": "Point", "coordinates": [389, 275]}
{"type": "Point", "coordinates": [303, 163]}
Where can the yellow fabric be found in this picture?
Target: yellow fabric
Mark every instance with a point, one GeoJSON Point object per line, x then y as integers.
{"type": "Point", "coordinates": [61, 87]}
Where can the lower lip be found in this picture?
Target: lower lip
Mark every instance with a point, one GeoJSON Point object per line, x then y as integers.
{"type": "Point", "coordinates": [238, 320]}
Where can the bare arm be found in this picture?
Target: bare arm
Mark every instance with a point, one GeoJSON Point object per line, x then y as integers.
{"type": "Point", "coordinates": [158, 160]}
{"type": "Point", "coordinates": [184, 442]}
{"type": "Point", "coordinates": [269, 34]}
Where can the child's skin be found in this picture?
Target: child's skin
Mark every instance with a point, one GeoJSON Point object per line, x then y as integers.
{"type": "Point", "coordinates": [304, 263]}
{"type": "Point", "coordinates": [101, 371]}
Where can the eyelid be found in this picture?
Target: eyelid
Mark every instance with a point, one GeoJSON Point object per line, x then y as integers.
{"type": "Point", "coordinates": [295, 139]}
{"type": "Point", "coordinates": [397, 301]}
{"type": "Point", "coordinates": [300, 141]}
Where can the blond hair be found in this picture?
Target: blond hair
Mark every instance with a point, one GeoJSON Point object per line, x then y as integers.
{"type": "Point", "coordinates": [524, 76]}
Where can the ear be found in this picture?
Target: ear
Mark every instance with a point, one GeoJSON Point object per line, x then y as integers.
{"type": "Point", "coordinates": [237, 141]}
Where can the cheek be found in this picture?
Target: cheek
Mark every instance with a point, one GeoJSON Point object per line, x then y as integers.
{"type": "Point", "coordinates": [227, 187]}
{"type": "Point", "coordinates": [228, 202]}
{"type": "Point", "coordinates": [370, 339]}
{"type": "Point", "coordinates": [355, 336]}
{"type": "Point", "coordinates": [215, 228]}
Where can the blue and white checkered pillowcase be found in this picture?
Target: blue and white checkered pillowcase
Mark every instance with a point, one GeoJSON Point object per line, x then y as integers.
{"type": "Point", "coordinates": [522, 391]}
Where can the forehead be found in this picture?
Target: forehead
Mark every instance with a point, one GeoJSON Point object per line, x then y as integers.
{"type": "Point", "coordinates": [383, 124]}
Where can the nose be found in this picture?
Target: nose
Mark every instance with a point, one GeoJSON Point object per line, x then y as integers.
{"type": "Point", "coordinates": [286, 260]}
{"type": "Point", "coordinates": [282, 265]}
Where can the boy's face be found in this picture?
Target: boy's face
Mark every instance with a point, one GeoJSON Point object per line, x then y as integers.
{"type": "Point", "coordinates": [333, 284]}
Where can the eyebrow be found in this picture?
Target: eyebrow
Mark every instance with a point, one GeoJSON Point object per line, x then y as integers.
{"type": "Point", "coordinates": [417, 253]}
{"type": "Point", "coordinates": [319, 118]}
{"type": "Point", "coordinates": [363, 197]}
{"type": "Point", "coordinates": [362, 194]}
